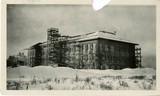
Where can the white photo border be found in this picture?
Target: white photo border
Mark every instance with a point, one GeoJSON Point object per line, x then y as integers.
{"type": "Point", "coordinates": [77, 92]}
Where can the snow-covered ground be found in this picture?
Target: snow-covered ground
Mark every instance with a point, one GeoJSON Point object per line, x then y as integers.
{"type": "Point", "coordinates": [64, 78]}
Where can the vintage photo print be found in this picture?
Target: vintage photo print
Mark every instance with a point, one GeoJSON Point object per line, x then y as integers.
{"type": "Point", "coordinates": [72, 47]}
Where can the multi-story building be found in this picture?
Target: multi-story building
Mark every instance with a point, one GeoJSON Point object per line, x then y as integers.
{"type": "Point", "coordinates": [101, 50]}
{"type": "Point", "coordinates": [96, 50]}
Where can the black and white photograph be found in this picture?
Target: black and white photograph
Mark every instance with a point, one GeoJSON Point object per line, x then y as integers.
{"type": "Point", "coordinates": [73, 47]}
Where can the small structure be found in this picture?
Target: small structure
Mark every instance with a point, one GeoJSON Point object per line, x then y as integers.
{"type": "Point", "coordinates": [17, 60]}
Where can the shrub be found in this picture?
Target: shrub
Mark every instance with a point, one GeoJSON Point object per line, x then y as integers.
{"type": "Point", "coordinates": [154, 77]}
{"type": "Point", "coordinates": [49, 87]}
{"type": "Point", "coordinates": [77, 78]}
{"type": "Point", "coordinates": [123, 83]}
{"type": "Point", "coordinates": [118, 77]}
{"type": "Point", "coordinates": [106, 76]}
{"type": "Point", "coordinates": [47, 80]}
{"type": "Point", "coordinates": [92, 83]}
{"type": "Point", "coordinates": [138, 77]}
{"type": "Point", "coordinates": [57, 80]}
{"type": "Point", "coordinates": [147, 85]}
{"type": "Point", "coordinates": [88, 79]}
{"type": "Point", "coordinates": [135, 81]}
{"type": "Point", "coordinates": [33, 81]}
{"type": "Point", "coordinates": [13, 85]}
{"type": "Point", "coordinates": [107, 86]}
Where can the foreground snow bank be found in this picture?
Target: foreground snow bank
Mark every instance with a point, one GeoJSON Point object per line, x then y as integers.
{"type": "Point", "coordinates": [63, 78]}
{"type": "Point", "coordinates": [47, 71]}
{"type": "Point", "coordinates": [125, 72]}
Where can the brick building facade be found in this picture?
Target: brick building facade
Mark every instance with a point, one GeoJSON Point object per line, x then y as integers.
{"type": "Point", "coordinates": [96, 50]}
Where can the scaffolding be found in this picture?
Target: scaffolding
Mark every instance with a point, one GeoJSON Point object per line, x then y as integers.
{"type": "Point", "coordinates": [138, 57]}
{"type": "Point", "coordinates": [57, 47]}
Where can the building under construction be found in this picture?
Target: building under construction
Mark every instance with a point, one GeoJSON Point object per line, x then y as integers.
{"type": "Point", "coordinates": [95, 50]}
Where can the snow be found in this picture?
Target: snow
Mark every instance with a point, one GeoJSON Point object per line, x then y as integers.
{"type": "Point", "coordinates": [44, 71]}
{"type": "Point", "coordinates": [64, 78]}
{"type": "Point", "coordinates": [48, 71]}
{"type": "Point", "coordinates": [103, 35]}
{"type": "Point", "coordinates": [124, 72]}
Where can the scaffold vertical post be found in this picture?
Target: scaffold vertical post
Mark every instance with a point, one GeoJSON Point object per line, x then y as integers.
{"type": "Point", "coordinates": [138, 57]}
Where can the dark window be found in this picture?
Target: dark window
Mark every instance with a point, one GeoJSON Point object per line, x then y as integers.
{"type": "Point", "coordinates": [101, 47]}
{"type": "Point", "coordinates": [112, 48]}
{"type": "Point", "coordinates": [86, 47]}
{"type": "Point", "coordinates": [115, 58]}
{"type": "Point", "coordinates": [91, 46]}
{"type": "Point", "coordinates": [107, 58]}
{"type": "Point", "coordinates": [74, 49]}
{"type": "Point", "coordinates": [106, 48]}
{"type": "Point", "coordinates": [112, 58]}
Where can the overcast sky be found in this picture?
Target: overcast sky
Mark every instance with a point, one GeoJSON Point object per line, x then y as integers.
{"type": "Point", "coordinates": [27, 25]}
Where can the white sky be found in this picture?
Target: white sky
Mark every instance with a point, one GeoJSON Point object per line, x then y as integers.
{"type": "Point", "coordinates": [27, 24]}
